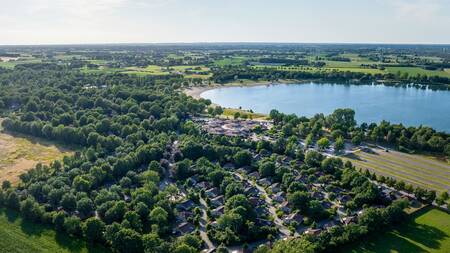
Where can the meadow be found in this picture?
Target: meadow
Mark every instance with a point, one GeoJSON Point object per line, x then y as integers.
{"type": "Point", "coordinates": [21, 236]}
{"type": "Point", "coordinates": [428, 230]}
{"type": "Point", "coordinates": [19, 154]}
{"type": "Point", "coordinates": [419, 170]}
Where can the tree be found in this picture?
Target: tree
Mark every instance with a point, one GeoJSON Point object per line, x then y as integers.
{"type": "Point", "coordinates": [69, 202]}
{"type": "Point", "coordinates": [339, 144]}
{"type": "Point", "coordinates": [159, 216]}
{"type": "Point", "coordinates": [72, 225]}
{"type": "Point", "coordinates": [313, 158]}
{"type": "Point", "coordinates": [323, 143]}
{"type": "Point", "coordinates": [93, 229]}
{"type": "Point", "coordinates": [267, 169]}
{"type": "Point", "coordinates": [299, 200]}
{"type": "Point", "coordinates": [85, 206]}
{"type": "Point", "coordinates": [127, 240]}
{"type": "Point", "coordinates": [242, 158]}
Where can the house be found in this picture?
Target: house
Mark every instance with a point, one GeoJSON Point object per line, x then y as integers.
{"type": "Point", "coordinates": [329, 224]}
{"type": "Point", "coordinates": [217, 201]}
{"type": "Point", "coordinates": [229, 166]}
{"type": "Point", "coordinates": [343, 199]}
{"type": "Point", "coordinates": [312, 231]}
{"type": "Point", "coordinates": [326, 204]}
{"type": "Point", "coordinates": [265, 182]}
{"type": "Point", "coordinates": [219, 211]}
{"type": "Point", "coordinates": [185, 205]}
{"type": "Point", "coordinates": [279, 197]}
{"type": "Point", "coordinates": [212, 193]}
{"type": "Point", "coordinates": [275, 188]}
{"type": "Point", "coordinates": [289, 219]}
{"type": "Point", "coordinates": [183, 216]}
{"type": "Point", "coordinates": [251, 191]}
{"type": "Point", "coordinates": [349, 219]}
{"type": "Point", "coordinates": [318, 195]}
{"type": "Point", "coordinates": [185, 228]}
{"type": "Point", "coordinates": [263, 222]}
{"type": "Point", "coordinates": [203, 185]}
{"type": "Point", "coordinates": [285, 207]}
{"type": "Point", "coordinates": [254, 175]}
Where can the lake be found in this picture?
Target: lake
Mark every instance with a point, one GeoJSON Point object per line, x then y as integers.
{"type": "Point", "coordinates": [372, 103]}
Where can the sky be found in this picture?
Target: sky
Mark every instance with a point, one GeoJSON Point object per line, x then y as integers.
{"type": "Point", "coordinates": [159, 21]}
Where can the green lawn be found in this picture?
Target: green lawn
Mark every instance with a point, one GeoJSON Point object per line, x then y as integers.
{"type": "Point", "coordinates": [428, 231]}
{"type": "Point", "coordinates": [17, 236]}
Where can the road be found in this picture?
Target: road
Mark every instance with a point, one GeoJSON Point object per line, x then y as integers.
{"type": "Point", "coordinates": [273, 211]}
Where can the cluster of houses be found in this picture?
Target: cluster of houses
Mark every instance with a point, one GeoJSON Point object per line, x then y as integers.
{"type": "Point", "coordinates": [231, 127]}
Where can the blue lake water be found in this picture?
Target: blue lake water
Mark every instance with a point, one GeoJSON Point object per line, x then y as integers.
{"type": "Point", "coordinates": [372, 103]}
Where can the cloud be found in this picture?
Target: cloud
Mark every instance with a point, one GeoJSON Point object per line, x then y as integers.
{"type": "Point", "coordinates": [424, 10]}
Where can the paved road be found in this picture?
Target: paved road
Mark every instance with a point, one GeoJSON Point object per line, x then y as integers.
{"type": "Point", "coordinates": [273, 211]}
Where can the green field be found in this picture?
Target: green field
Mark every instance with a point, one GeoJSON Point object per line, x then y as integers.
{"type": "Point", "coordinates": [428, 231]}
{"type": "Point", "coordinates": [419, 170]}
{"type": "Point", "coordinates": [20, 236]}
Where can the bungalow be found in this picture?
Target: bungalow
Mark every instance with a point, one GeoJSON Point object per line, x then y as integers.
{"type": "Point", "coordinates": [326, 204]}
{"type": "Point", "coordinates": [285, 207]}
{"type": "Point", "coordinates": [318, 195]}
{"type": "Point", "coordinates": [329, 224]}
{"type": "Point", "coordinates": [229, 166]}
{"type": "Point", "coordinates": [289, 219]}
{"type": "Point", "coordinates": [279, 197]}
{"type": "Point", "coordinates": [343, 199]}
{"type": "Point", "coordinates": [185, 228]}
{"type": "Point", "coordinates": [275, 188]}
{"type": "Point", "coordinates": [263, 222]}
{"type": "Point", "coordinates": [312, 231]}
{"type": "Point", "coordinates": [251, 191]}
{"type": "Point", "coordinates": [212, 193]}
{"type": "Point", "coordinates": [219, 211]}
{"type": "Point", "coordinates": [203, 185]}
{"type": "Point", "coordinates": [254, 175]}
{"type": "Point", "coordinates": [348, 220]}
{"type": "Point", "coordinates": [265, 182]}
{"type": "Point", "coordinates": [217, 201]}
{"type": "Point", "coordinates": [185, 205]}
{"type": "Point", "coordinates": [183, 216]}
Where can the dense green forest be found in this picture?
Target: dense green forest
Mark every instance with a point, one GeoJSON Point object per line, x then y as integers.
{"type": "Point", "coordinates": [142, 161]}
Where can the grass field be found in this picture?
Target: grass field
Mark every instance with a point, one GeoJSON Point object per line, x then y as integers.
{"type": "Point", "coordinates": [18, 154]}
{"type": "Point", "coordinates": [427, 231]}
{"type": "Point", "coordinates": [20, 236]}
{"type": "Point", "coordinates": [418, 170]}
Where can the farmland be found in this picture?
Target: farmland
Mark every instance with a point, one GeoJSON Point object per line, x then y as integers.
{"type": "Point", "coordinates": [19, 154]}
{"type": "Point", "coordinates": [18, 235]}
{"type": "Point", "coordinates": [423, 171]}
{"type": "Point", "coordinates": [427, 231]}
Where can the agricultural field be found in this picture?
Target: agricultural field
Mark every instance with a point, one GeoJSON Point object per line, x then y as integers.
{"type": "Point", "coordinates": [21, 236]}
{"type": "Point", "coordinates": [419, 170]}
{"type": "Point", "coordinates": [19, 154]}
{"type": "Point", "coordinates": [428, 231]}
{"type": "Point", "coordinates": [22, 60]}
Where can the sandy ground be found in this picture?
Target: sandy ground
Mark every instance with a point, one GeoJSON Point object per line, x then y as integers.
{"type": "Point", "coordinates": [196, 92]}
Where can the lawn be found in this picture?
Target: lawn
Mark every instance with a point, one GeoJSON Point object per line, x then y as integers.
{"type": "Point", "coordinates": [418, 170]}
{"type": "Point", "coordinates": [427, 231]}
{"type": "Point", "coordinates": [18, 235]}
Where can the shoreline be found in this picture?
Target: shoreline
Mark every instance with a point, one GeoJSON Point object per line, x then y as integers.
{"type": "Point", "coordinates": [196, 92]}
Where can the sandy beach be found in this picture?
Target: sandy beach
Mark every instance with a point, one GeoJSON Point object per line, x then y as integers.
{"type": "Point", "coordinates": [195, 92]}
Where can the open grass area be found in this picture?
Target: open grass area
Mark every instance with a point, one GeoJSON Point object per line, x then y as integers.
{"type": "Point", "coordinates": [21, 236]}
{"type": "Point", "coordinates": [418, 170]}
{"type": "Point", "coordinates": [427, 231]}
{"type": "Point", "coordinates": [414, 71]}
{"type": "Point", "coordinates": [229, 113]}
{"type": "Point", "coordinates": [19, 154]}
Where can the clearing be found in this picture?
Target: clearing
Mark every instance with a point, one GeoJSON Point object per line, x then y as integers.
{"type": "Point", "coordinates": [18, 235]}
{"type": "Point", "coordinates": [19, 154]}
{"type": "Point", "coordinates": [427, 231]}
{"type": "Point", "coordinates": [419, 170]}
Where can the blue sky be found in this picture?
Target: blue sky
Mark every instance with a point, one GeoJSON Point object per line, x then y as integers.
{"type": "Point", "coordinates": [114, 21]}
